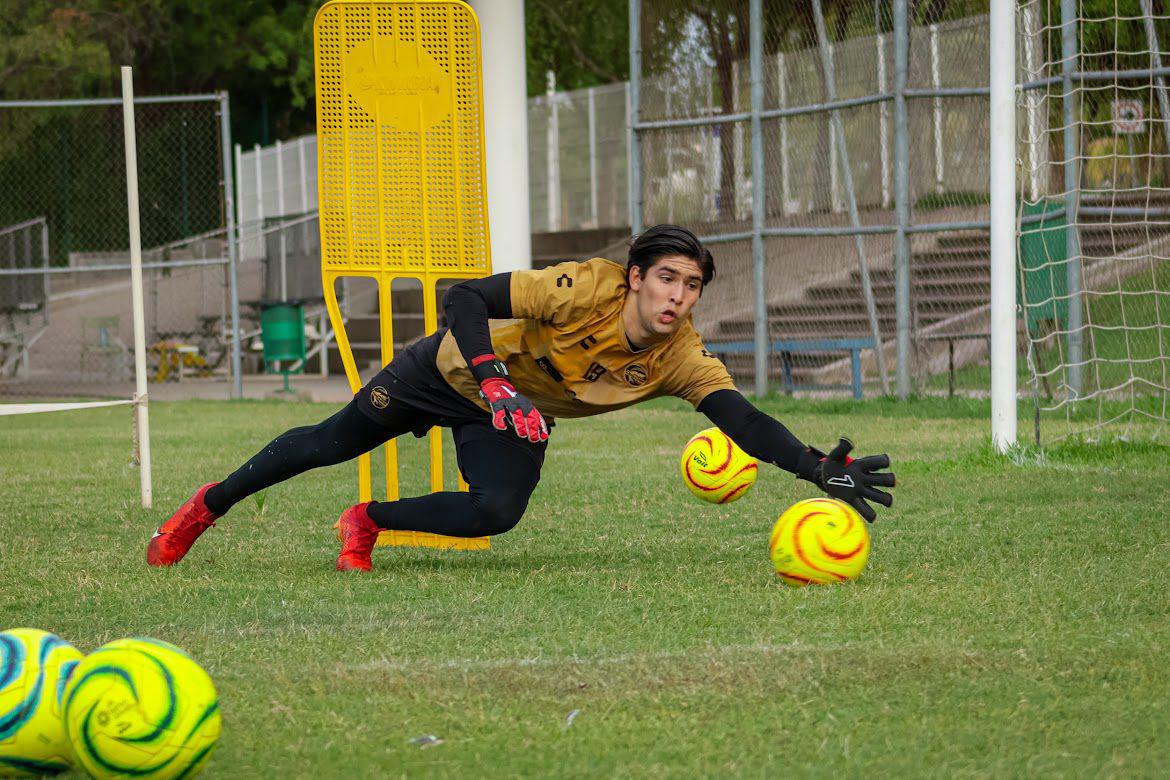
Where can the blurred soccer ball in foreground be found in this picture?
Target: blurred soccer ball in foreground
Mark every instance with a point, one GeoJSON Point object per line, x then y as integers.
{"type": "Point", "coordinates": [34, 666]}
{"type": "Point", "coordinates": [819, 541]}
{"type": "Point", "coordinates": [715, 469]}
{"type": "Point", "coordinates": [141, 708]}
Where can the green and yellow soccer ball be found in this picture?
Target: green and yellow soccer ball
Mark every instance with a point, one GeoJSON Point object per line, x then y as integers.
{"type": "Point", "coordinates": [715, 469]}
{"type": "Point", "coordinates": [34, 666]}
{"type": "Point", "coordinates": [819, 541]}
{"type": "Point", "coordinates": [141, 708]}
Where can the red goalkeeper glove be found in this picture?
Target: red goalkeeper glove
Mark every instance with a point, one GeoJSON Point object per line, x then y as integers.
{"type": "Point", "coordinates": [849, 480]}
{"type": "Point", "coordinates": [508, 406]}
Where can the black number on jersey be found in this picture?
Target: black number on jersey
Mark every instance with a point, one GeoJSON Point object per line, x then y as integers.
{"type": "Point", "coordinates": [564, 280]}
{"type": "Point", "coordinates": [587, 342]}
{"type": "Point", "coordinates": [706, 354]}
{"type": "Point", "coordinates": [594, 372]}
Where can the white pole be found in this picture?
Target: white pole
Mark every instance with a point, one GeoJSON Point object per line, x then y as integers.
{"type": "Point", "coordinates": [632, 178]}
{"type": "Point", "coordinates": [936, 81]}
{"type": "Point", "coordinates": [239, 188]}
{"type": "Point", "coordinates": [259, 185]}
{"type": "Point", "coordinates": [280, 213]}
{"type": "Point", "coordinates": [1003, 223]}
{"type": "Point", "coordinates": [737, 144]}
{"type": "Point", "coordinates": [834, 183]}
{"type": "Point", "coordinates": [592, 160]}
{"type": "Point", "coordinates": [883, 119]}
{"type": "Point", "coordinates": [505, 123]}
{"type": "Point", "coordinates": [141, 416]}
{"type": "Point", "coordinates": [1036, 144]}
{"type": "Point", "coordinates": [553, 156]}
{"type": "Point", "coordinates": [669, 165]}
{"type": "Point", "coordinates": [785, 167]}
{"type": "Point", "coordinates": [303, 175]}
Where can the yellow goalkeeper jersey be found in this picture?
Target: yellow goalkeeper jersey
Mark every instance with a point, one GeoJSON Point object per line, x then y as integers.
{"type": "Point", "coordinates": [567, 349]}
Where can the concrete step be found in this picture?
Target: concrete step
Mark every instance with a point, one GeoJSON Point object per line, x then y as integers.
{"type": "Point", "coordinates": [883, 285]}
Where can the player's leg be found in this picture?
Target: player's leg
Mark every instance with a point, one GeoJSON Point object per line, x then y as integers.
{"type": "Point", "coordinates": [343, 436]}
{"type": "Point", "coordinates": [501, 469]}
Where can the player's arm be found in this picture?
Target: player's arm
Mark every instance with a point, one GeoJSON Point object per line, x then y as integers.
{"type": "Point", "coordinates": [765, 438]}
{"type": "Point", "coordinates": [468, 306]}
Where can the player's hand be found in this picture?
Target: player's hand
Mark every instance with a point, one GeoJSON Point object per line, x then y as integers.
{"type": "Point", "coordinates": [509, 407]}
{"type": "Point", "coordinates": [852, 481]}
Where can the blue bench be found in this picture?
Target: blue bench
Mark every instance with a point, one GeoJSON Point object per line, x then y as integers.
{"type": "Point", "coordinates": [787, 347]}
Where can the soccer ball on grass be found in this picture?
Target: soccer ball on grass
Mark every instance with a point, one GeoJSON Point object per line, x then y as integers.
{"type": "Point", "coordinates": [141, 708]}
{"type": "Point", "coordinates": [34, 666]}
{"type": "Point", "coordinates": [819, 541]}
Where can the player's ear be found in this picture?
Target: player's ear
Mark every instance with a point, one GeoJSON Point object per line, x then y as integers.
{"type": "Point", "coordinates": [634, 278]}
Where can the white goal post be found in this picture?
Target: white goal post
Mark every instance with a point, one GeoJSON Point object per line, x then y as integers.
{"type": "Point", "coordinates": [1003, 223]}
{"type": "Point", "coordinates": [141, 416]}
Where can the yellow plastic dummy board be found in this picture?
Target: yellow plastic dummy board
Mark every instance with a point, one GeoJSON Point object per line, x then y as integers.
{"type": "Point", "coordinates": [400, 174]}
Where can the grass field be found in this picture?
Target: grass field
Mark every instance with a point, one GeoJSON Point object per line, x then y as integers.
{"type": "Point", "coordinates": [1014, 619]}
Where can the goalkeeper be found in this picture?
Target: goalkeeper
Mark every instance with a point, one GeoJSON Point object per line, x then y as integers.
{"type": "Point", "coordinates": [524, 348]}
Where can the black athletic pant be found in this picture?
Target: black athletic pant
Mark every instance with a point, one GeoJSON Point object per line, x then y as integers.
{"type": "Point", "coordinates": [501, 469]}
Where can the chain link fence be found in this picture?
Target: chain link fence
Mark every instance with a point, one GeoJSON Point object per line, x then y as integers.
{"type": "Point", "coordinates": [64, 239]}
{"type": "Point", "coordinates": [809, 302]}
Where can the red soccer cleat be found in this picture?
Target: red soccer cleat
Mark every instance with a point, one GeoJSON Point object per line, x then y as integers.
{"type": "Point", "coordinates": [174, 537]}
{"type": "Point", "coordinates": [358, 534]}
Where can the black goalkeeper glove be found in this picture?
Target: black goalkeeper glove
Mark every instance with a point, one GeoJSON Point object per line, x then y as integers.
{"type": "Point", "coordinates": [849, 480]}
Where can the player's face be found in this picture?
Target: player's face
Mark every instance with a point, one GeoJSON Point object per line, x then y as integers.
{"type": "Point", "coordinates": [664, 297]}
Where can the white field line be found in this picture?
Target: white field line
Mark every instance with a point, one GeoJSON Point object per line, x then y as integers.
{"type": "Point", "coordinates": [622, 659]}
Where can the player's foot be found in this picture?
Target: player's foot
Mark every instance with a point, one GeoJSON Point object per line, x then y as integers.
{"type": "Point", "coordinates": [358, 534]}
{"type": "Point", "coordinates": [174, 537]}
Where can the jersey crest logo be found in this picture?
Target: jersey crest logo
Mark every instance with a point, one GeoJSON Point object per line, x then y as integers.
{"type": "Point", "coordinates": [594, 372]}
{"type": "Point", "coordinates": [379, 398]}
{"type": "Point", "coordinates": [564, 280]}
{"type": "Point", "coordinates": [636, 375]}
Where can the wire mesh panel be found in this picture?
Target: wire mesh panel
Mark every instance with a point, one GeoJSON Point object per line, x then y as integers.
{"type": "Point", "coordinates": [1094, 267]}
{"type": "Point", "coordinates": [64, 164]}
{"type": "Point", "coordinates": [400, 172]}
{"type": "Point", "coordinates": [827, 133]}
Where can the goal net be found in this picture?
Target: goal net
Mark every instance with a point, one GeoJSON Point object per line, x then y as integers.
{"type": "Point", "coordinates": [1094, 230]}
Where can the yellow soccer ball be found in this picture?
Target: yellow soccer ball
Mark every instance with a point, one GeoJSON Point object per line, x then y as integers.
{"type": "Point", "coordinates": [141, 708]}
{"type": "Point", "coordinates": [34, 666]}
{"type": "Point", "coordinates": [715, 468]}
{"type": "Point", "coordinates": [819, 541]}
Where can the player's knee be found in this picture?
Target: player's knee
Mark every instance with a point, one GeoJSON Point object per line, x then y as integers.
{"type": "Point", "coordinates": [498, 511]}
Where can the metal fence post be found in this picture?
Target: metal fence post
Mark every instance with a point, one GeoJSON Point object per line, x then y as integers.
{"type": "Point", "coordinates": [850, 195]}
{"type": "Point", "coordinates": [225, 131]}
{"type": "Point", "coordinates": [633, 154]}
{"type": "Point", "coordinates": [1072, 244]}
{"type": "Point", "coordinates": [762, 340]}
{"type": "Point", "coordinates": [902, 196]}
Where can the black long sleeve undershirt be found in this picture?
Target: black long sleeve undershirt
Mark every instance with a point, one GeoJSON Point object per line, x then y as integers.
{"type": "Point", "coordinates": [470, 304]}
{"type": "Point", "coordinates": [758, 434]}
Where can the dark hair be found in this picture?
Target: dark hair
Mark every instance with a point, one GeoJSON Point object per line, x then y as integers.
{"type": "Point", "coordinates": [668, 241]}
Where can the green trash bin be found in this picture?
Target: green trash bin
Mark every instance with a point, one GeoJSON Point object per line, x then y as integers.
{"type": "Point", "coordinates": [282, 330]}
{"type": "Point", "coordinates": [1044, 268]}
